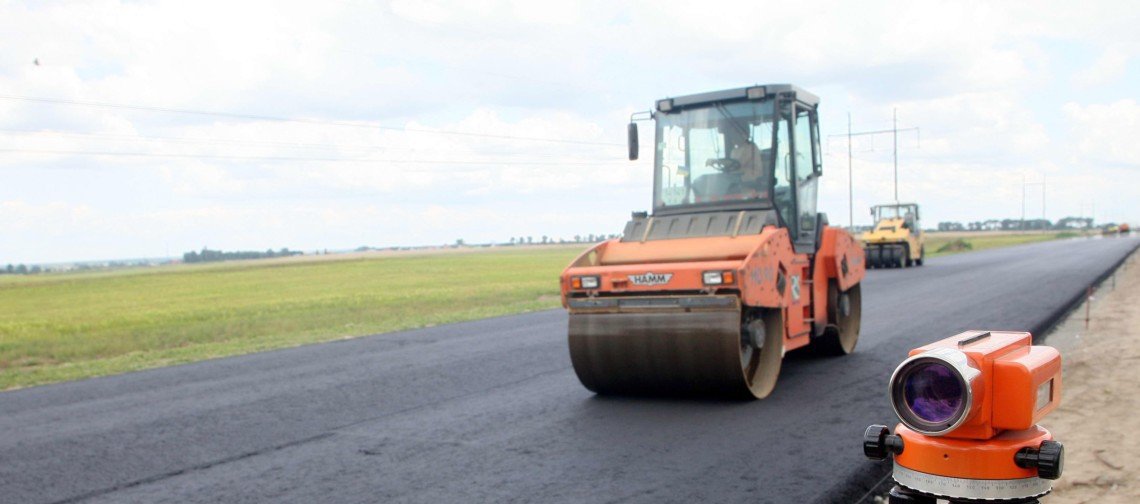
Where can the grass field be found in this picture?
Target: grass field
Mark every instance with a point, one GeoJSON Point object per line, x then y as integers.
{"type": "Point", "coordinates": [68, 326]}
{"type": "Point", "coordinates": [59, 327]}
{"type": "Point", "coordinates": [984, 240]}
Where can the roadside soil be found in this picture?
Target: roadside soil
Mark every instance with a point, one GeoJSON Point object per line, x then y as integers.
{"type": "Point", "coordinates": [1099, 417]}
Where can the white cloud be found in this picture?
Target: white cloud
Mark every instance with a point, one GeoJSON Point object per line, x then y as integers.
{"type": "Point", "coordinates": [1107, 68]}
{"type": "Point", "coordinates": [1106, 133]}
{"type": "Point", "coordinates": [981, 79]}
{"type": "Point", "coordinates": [195, 178]}
{"type": "Point", "coordinates": [423, 11]}
{"type": "Point", "coordinates": [18, 216]}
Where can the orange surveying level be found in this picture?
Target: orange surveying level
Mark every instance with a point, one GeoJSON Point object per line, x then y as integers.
{"type": "Point", "coordinates": [969, 407]}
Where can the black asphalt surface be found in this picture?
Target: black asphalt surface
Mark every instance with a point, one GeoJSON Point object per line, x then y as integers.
{"type": "Point", "coordinates": [491, 410]}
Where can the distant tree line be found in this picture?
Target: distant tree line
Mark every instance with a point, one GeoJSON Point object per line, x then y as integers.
{"type": "Point", "coordinates": [1018, 224]}
{"type": "Point", "coordinates": [589, 238]}
{"type": "Point", "coordinates": [524, 240]}
{"type": "Point", "coordinates": [21, 269]}
{"type": "Point", "coordinates": [207, 255]}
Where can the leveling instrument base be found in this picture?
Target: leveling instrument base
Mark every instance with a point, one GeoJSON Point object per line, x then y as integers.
{"type": "Point", "coordinates": [1010, 467]}
{"type": "Point", "coordinates": [971, 490]}
{"type": "Point", "coordinates": [902, 495]}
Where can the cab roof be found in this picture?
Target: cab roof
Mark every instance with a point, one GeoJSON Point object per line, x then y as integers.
{"type": "Point", "coordinates": [755, 92]}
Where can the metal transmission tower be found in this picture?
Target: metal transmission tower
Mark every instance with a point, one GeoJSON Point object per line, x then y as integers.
{"type": "Point", "coordinates": [894, 131]}
{"type": "Point", "coordinates": [1025, 185]}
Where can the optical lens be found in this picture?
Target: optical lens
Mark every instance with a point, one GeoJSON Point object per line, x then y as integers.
{"type": "Point", "coordinates": [933, 393]}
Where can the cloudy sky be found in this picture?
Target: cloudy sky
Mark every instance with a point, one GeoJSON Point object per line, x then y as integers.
{"type": "Point", "coordinates": [142, 129]}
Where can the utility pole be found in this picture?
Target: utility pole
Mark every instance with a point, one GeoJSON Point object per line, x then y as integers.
{"type": "Point", "coordinates": [1022, 202]}
{"type": "Point", "coordinates": [894, 131]}
{"type": "Point", "coordinates": [850, 180]}
{"type": "Point", "coordinates": [1025, 185]}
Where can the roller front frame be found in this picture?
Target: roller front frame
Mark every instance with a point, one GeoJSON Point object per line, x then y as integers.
{"type": "Point", "coordinates": [629, 338]}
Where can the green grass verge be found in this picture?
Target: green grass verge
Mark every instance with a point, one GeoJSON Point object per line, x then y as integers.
{"type": "Point", "coordinates": [69, 326]}
{"type": "Point", "coordinates": [982, 241]}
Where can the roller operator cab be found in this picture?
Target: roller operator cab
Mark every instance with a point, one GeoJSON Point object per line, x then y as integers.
{"type": "Point", "coordinates": [733, 267]}
{"type": "Point", "coordinates": [897, 240]}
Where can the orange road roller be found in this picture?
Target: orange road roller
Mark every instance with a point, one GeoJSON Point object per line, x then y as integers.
{"type": "Point", "coordinates": [733, 267]}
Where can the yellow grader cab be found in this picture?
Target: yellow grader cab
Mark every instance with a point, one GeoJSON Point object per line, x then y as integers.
{"type": "Point", "coordinates": [734, 266]}
{"type": "Point", "coordinates": [897, 240]}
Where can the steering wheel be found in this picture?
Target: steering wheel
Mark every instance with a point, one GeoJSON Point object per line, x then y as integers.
{"type": "Point", "coordinates": [723, 164]}
{"type": "Point", "coordinates": [782, 197]}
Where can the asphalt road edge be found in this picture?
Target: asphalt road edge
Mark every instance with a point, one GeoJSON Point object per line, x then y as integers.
{"type": "Point", "coordinates": [1042, 329]}
{"type": "Point", "coordinates": [874, 478]}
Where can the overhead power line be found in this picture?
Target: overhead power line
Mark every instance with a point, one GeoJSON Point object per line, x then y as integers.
{"type": "Point", "coordinates": [192, 140]}
{"type": "Point", "coordinates": [43, 134]}
{"type": "Point", "coordinates": [301, 159]}
{"type": "Point", "coordinates": [894, 131]}
{"type": "Point", "coordinates": [257, 117]}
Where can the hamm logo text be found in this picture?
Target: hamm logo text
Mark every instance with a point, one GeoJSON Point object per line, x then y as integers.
{"type": "Point", "coordinates": [650, 279]}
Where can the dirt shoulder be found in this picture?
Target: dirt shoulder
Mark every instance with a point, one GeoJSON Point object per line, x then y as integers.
{"type": "Point", "coordinates": [1099, 417]}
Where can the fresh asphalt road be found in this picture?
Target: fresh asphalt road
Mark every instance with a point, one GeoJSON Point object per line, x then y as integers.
{"type": "Point", "coordinates": [491, 410]}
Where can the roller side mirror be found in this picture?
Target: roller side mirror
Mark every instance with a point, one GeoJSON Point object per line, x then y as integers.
{"type": "Point", "coordinates": [633, 148]}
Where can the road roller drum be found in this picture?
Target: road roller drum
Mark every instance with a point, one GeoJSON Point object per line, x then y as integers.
{"type": "Point", "coordinates": [676, 351]}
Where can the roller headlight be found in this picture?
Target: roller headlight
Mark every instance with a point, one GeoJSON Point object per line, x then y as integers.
{"type": "Point", "coordinates": [718, 277]}
{"type": "Point", "coordinates": [932, 392]}
{"type": "Point", "coordinates": [584, 282]}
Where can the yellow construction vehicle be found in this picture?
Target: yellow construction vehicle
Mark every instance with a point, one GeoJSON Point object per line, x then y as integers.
{"type": "Point", "coordinates": [897, 240]}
